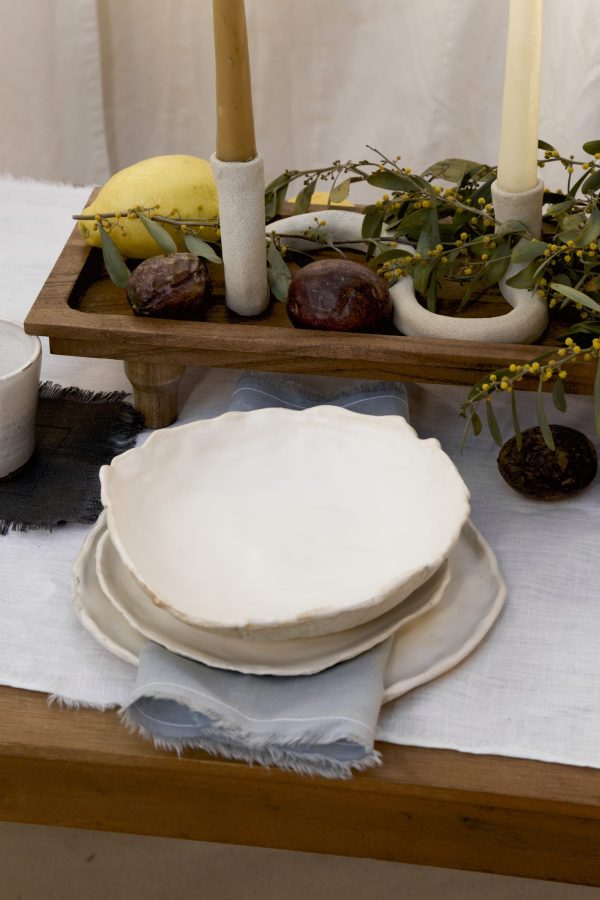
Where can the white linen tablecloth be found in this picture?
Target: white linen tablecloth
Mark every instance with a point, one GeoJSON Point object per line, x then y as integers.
{"type": "Point", "coordinates": [532, 689]}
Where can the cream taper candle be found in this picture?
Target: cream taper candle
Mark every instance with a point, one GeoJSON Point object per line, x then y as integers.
{"type": "Point", "coordinates": [517, 165]}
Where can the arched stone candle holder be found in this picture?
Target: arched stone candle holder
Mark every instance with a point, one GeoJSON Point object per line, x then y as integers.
{"type": "Point", "coordinates": [241, 190]}
{"type": "Point", "coordinates": [523, 324]}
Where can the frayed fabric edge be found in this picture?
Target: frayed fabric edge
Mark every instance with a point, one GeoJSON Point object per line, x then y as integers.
{"type": "Point", "coordinates": [262, 753]}
{"type": "Point", "coordinates": [69, 703]}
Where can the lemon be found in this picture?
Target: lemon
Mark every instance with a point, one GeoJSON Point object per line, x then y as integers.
{"type": "Point", "coordinates": [178, 186]}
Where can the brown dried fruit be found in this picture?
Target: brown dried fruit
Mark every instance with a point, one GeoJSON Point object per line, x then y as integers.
{"type": "Point", "coordinates": [338, 295]}
{"type": "Point", "coordinates": [543, 474]}
{"type": "Point", "coordinates": [172, 286]}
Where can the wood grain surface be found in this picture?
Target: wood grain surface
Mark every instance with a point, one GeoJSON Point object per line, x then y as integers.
{"type": "Point", "coordinates": [432, 807]}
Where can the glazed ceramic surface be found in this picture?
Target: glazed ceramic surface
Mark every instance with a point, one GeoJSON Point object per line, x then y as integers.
{"type": "Point", "coordinates": [94, 610]}
{"type": "Point", "coordinates": [277, 524]}
{"type": "Point", "coordinates": [20, 361]}
{"type": "Point", "coordinates": [300, 656]}
{"type": "Point", "coordinates": [442, 638]}
{"type": "Point", "coordinates": [421, 650]}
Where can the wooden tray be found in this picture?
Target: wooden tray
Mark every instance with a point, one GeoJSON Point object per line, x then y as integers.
{"type": "Point", "coordinates": [83, 314]}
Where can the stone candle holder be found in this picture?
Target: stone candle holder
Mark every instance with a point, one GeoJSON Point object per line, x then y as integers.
{"type": "Point", "coordinates": [241, 190]}
{"type": "Point", "coordinates": [523, 324]}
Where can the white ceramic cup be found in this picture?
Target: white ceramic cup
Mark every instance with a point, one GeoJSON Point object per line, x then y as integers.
{"type": "Point", "coordinates": [20, 362]}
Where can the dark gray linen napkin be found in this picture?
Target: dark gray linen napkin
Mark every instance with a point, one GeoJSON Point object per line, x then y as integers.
{"type": "Point", "coordinates": [76, 432]}
{"type": "Point", "coordinates": [321, 724]}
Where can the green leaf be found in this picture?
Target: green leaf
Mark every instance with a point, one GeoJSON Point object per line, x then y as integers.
{"type": "Point", "coordinates": [557, 208]}
{"type": "Point", "coordinates": [412, 223]}
{"type": "Point", "coordinates": [544, 145]}
{"type": "Point", "coordinates": [525, 278]}
{"type": "Point", "coordinates": [592, 147]}
{"type": "Point", "coordinates": [393, 181]}
{"type": "Point", "coordinates": [340, 191]}
{"type": "Point", "coordinates": [476, 423]}
{"type": "Point", "coordinates": [279, 284]}
{"type": "Point", "coordinates": [432, 295]}
{"type": "Point", "coordinates": [373, 222]}
{"type": "Point", "coordinates": [158, 233]}
{"type": "Point", "coordinates": [114, 262]}
{"type": "Point", "coordinates": [526, 250]}
{"type": "Point", "coordinates": [576, 296]}
{"type": "Point", "coordinates": [495, 269]}
{"type": "Point", "coordinates": [558, 395]}
{"type": "Point", "coordinates": [513, 226]}
{"type": "Point", "coordinates": [453, 170]}
{"type": "Point", "coordinates": [515, 420]}
{"type": "Point", "coordinates": [270, 206]}
{"type": "Point", "coordinates": [597, 397]}
{"type": "Point", "coordinates": [200, 248]}
{"type": "Point", "coordinates": [394, 253]}
{"type": "Point", "coordinates": [543, 421]}
{"type": "Point", "coordinates": [493, 423]}
{"type": "Point", "coordinates": [591, 232]}
{"type": "Point", "coordinates": [303, 199]}
{"type": "Point", "coordinates": [591, 183]}
{"type": "Point", "coordinates": [422, 275]}
{"type": "Point", "coordinates": [430, 233]}
{"type": "Point", "coordinates": [276, 260]}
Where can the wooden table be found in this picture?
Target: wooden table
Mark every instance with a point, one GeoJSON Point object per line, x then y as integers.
{"type": "Point", "coordinates": [82, 769]}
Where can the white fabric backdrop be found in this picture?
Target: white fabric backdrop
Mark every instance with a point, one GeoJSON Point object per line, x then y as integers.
{"type": "Point", "coordinates": [89, 86]}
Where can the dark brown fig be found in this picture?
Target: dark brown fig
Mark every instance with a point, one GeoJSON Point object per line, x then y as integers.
{"type": "Point", "coordinates": [172, 286]}
{"type": "Point", "coordinates": [338, 295]}
{"type": "Point", "coordinates": [544, 474]}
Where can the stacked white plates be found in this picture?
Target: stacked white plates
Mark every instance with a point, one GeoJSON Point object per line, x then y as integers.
{"type": "Point", "coordinates": [278, 542]}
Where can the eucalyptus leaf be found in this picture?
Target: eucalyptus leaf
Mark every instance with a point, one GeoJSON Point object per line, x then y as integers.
{"type": "Point", "coordinates": [557, 208]}
{"type": "Point", "coordinates": [304, 198]}
{"type": "Point", "coordinates": [453, 170]}
{"type": "Point", "coordinates": [527, 250]}
{"type": "Point", "coordinates": [430, 233]}
{"type": "Point", "coordinates": [542, 420]}
{"type": "Point", "coordinates": [592, 147]}
{"type": "Point", "coordinates": [544, 145]}
{"type": "Point", "coordinates": [576, 296]}
{"type": "Point", "coordinates": [279, 284]}
{"type": "Point", "coordinates": [373, 222]}
{"type": "Point", "coordinates": [559, 396]}
{"type": "Point", "coordinates": [525, 278]}
{"type": "Point", "coordinates": [492, 422]}
{"type": "Point", "coordinates": [591, 183]}
{"type": "Point", "coordinates": [412, 223]}
{"type": "Point", "coordinates": [591, 232]}
{"type": "Point", "coordinates": [280, 181]}
{"type": "Point", "coordinates": [515, 421]}
{"type": "Point", "coordinates": [476, 423]}
{"type": "Point", "coordinates": [270, 206]}
{"type": "Point", "coordinates": [158, 234]}
{"type": "Point", "coordinates": [114, 262]}
{"type": "Point", "coordinates": [431, 296]}
{"type": "Point", "coordinates": [513, 226]}
{"type": "Point", "coordinates": [340, 191]}
{"type": "Point", "coordinates": [393, 181]}
{"type": "Point", "coordinates": [495, 269]}
{"type": "Point", "coordinates": [200, 248]}
{"type": "Point", "coordinates": [394, 253]}
{"type": "Point", "coordinates": [276, 261]}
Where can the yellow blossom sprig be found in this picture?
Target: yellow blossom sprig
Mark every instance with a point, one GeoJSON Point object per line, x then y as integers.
{"type": "Point", "coordinates": [550, 366]}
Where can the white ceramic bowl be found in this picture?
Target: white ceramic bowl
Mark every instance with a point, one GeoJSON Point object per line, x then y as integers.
{"type": "Point", "coordinates": [20, 362]}
{"type": "Point", "coordinates": [276, 524]}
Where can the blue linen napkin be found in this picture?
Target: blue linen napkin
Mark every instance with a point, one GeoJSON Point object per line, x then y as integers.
{"type": "Point", "coordinates": [321, 724]}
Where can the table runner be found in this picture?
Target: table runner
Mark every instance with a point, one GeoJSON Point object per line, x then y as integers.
{"type": "Point", "coordinates": [532, 689]}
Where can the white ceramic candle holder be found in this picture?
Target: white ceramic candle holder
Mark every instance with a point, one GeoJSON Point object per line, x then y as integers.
{"type": "Point", "coordinates": [523, 324]}
{"type": "Point", "coordinates": [20, 361]}
{"type": "Point", "coordinates": [241, 189]}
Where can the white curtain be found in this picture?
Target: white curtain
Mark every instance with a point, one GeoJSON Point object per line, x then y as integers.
{"type": "Point", "coordinates": [89, 86]}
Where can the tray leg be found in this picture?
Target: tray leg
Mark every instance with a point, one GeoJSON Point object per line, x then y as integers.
{"type": "Point", "coordinates": [155, 388]}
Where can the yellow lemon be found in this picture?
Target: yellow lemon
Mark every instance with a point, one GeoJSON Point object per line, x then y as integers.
{"type": "Point", "coordinates": [177, 186]}
{"type": "Point", "coordinates": [321, 198]}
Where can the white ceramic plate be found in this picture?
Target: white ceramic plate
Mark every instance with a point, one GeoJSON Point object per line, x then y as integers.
{"type": "Point", "coordinates": [422, 651]}
{"type": "Point", "coordinates": [277, 524]}
{"type": "Point", "coordinates": [298, 656]}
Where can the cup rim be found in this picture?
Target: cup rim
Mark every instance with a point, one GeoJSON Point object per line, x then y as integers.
{"type": "Point", "coordinates": [31, 359]}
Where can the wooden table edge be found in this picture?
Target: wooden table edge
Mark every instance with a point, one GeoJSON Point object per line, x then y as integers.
{"type": "Point", "coordinates": [81, 768]}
